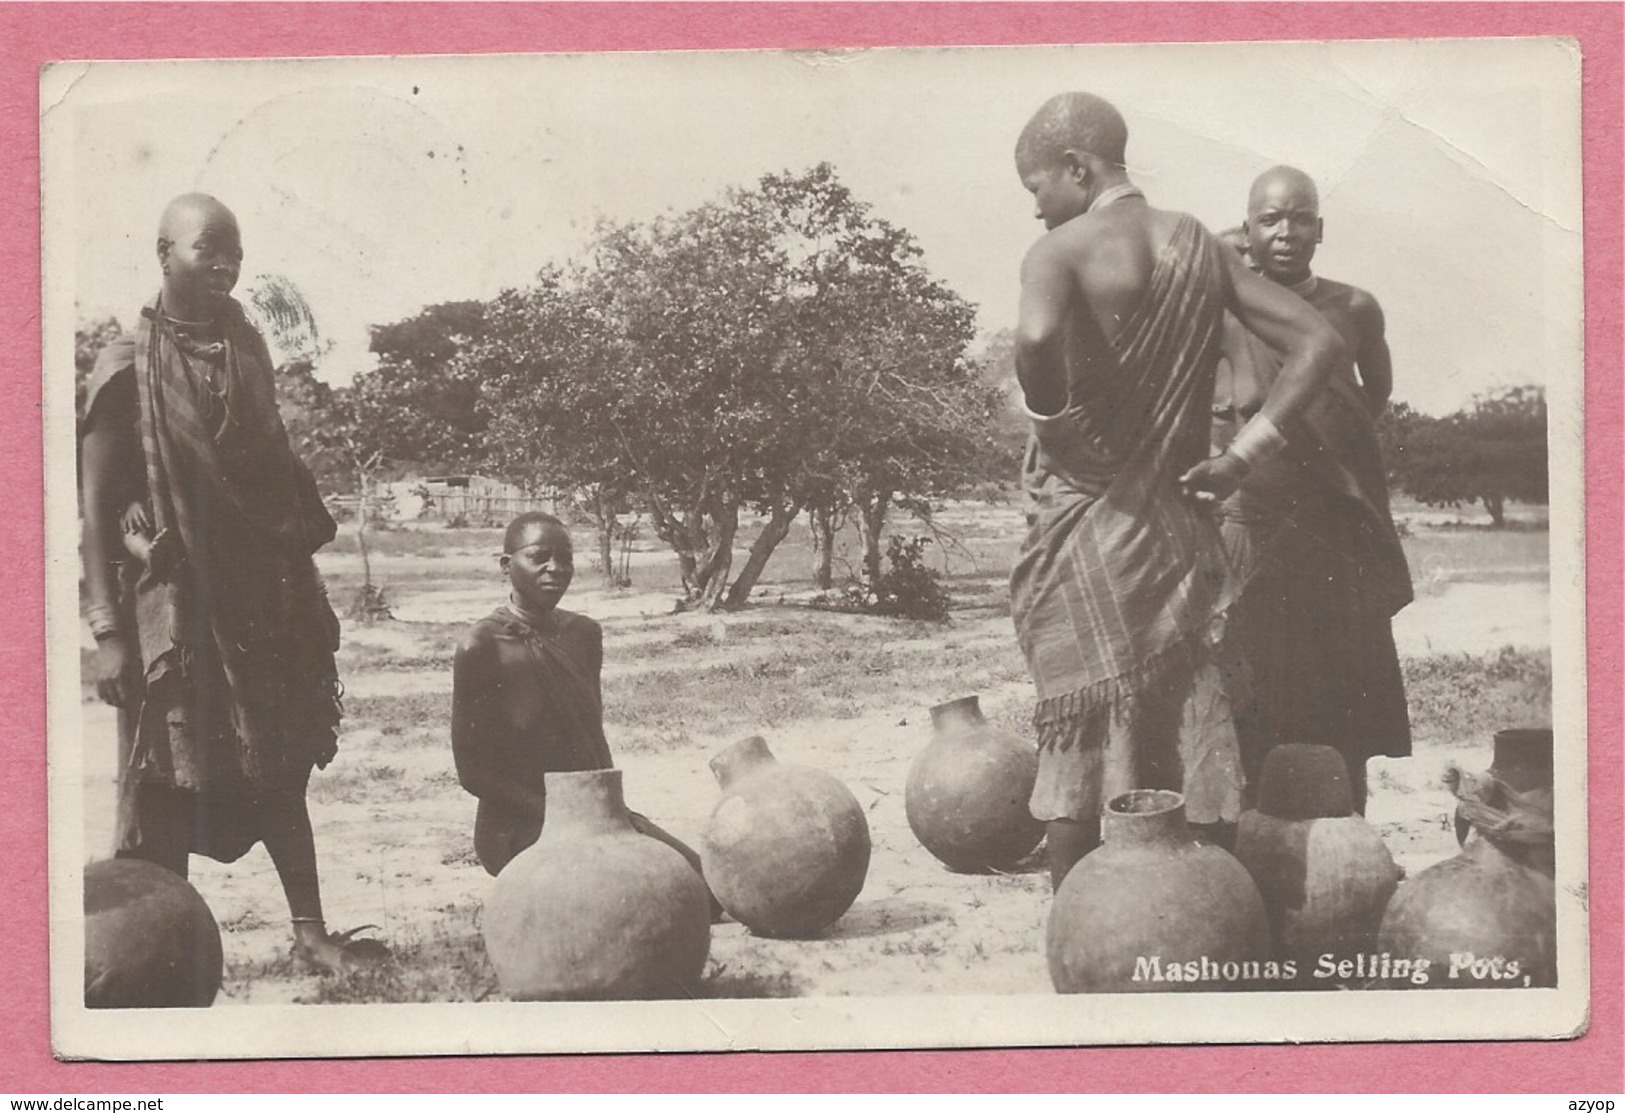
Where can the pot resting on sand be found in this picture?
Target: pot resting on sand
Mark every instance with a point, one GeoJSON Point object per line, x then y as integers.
{"type": "Point", "coordinates": [968, 791]}
{"type": "Point", "coordinates": [1153, 909]}
{"type": "Point", "coordinates": [150, 940]}
{"type": "Point", "coordinates": [1323, 871]}
{"type": "Point", "coordinates": [594, 909]}
{"type": "Point", "coordinates": [786, 849]}
{"type": "Point", "coordinates": [1488, 917]}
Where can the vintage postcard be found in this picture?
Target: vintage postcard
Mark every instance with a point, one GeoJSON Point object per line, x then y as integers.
{"type": "Point", "coordinates": [1036, 532]}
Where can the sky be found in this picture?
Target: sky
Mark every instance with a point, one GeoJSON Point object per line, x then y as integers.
{"type": "Point", "coordinates": [1448, 171]}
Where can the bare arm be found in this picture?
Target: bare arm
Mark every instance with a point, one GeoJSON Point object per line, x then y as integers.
{"type": "Point", "coordinates": [1046, 291]}
{"type": "Point", "coordinates": [1312, 352]}
{"type": "Point", "coordinates": [1373, 360]}
{"type": "Point", "coordinates": [105, 459]}
{"type": "Point", "coordinates": [475, 692]}
{"type": "Point", "coordinates": [1311, 347]}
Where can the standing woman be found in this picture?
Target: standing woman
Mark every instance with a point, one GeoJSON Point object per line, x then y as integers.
{"type": "Point", "coordinates": [214, 635]}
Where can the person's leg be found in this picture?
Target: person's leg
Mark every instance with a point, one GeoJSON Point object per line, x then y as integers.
{"type": "Point", "coordinates": [499, 835]}
{"type": "Point", "coordinates": [1357, 780]}
{"type": "Point", "coordinates": [155, 824]}
{"type": "Point", "coordinates": [291, 843]}
{"type": "Point", "coordinates": [1220, 834]}
{"type": "Point", "coordinates": [1066, 841]}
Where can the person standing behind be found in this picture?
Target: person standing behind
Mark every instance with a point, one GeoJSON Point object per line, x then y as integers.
{"type": "Point", "coordinates": [1121, 579]}
{"type": "Point", "coordinates": [1311, 529]}
{"type": "Point", "coordinates": [214, 635]}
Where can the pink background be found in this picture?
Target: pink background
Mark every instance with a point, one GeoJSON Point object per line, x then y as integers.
{"type": "Point", "coordinates": [36, 34]}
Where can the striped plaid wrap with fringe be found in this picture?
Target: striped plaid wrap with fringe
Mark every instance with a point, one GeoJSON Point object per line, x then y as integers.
{"type": "Point", "coordinates": [1122, 581]}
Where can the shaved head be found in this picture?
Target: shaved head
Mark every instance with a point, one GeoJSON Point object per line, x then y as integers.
{"type": "Point", "coordinates": [1283, 224]}
{"type": "Point", "coordinates": [188, 211]}
{"type": "Point", "coordinates": [1286, 186]}
{"type": "Point", "coordinates": [1079, 122]}
{"type": "Point", "coordinates": [528, 523]}
{"type": "Point", "coordinates": [200, 250]}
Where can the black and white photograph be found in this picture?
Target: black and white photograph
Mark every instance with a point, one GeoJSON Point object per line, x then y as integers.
{"type": "Point", "coordinates": [794, 550]}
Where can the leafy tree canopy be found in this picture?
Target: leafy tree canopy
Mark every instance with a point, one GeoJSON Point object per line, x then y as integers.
{"type": "Point", "coordinates": [1493, 451]}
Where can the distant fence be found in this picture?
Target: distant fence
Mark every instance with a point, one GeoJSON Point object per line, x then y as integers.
{"type": "Point", "coordinates": [479, 509]}
{"type": "Point", "coordinates": [469, 508]}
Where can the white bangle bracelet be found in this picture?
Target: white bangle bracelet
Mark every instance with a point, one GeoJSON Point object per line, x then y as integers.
{"type": "Point", "coordinates": [1258, 440]}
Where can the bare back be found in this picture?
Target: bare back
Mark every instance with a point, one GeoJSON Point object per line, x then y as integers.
{"type": "Point", "coordinates": [1088, 277]}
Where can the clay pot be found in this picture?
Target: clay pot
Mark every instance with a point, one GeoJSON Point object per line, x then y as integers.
{"type": "Point", "coordinates": [787, 848]}
{"type": "Point", "coordinates": [594, 910]}
{"type": "Point", "coordinates": [150, 940]}
{"type": "Point", "coordinates": [1154, 910]}
{"type": "Point", "coordinates": [1323, 871]}
{"type": "Point", "coordinates": [1488, 917]}
{"type": "Point", "coordinates": [1478, 919]}
{"type": "Point", "coordinates": [968, 791]}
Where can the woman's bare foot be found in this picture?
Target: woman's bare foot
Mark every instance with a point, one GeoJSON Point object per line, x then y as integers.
{"type": "Point", "coordinates": [338, 952]}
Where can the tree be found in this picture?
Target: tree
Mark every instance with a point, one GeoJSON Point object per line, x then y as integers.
{"type": "Point", "coordinates": [89, 338]}
{"type": "Point", "coordinates": [552, 376]}
{"type": "Point", "coordinates": [347, 436]}
{"type": "Point", "coordinates": [774, 350]}
{"type": "Point", "coordinates": [1492, 451]}
{"type": "Point", "coordinates": [997, 365]}
{"type": "Point", "coordinates": [441, 424]}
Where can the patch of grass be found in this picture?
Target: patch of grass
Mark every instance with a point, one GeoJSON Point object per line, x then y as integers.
{"type": "Point", "coordinates": [356, 783]}
{"type": "Point", "coordinates": [246, 920]}
{"type": "Point", "coordinates": [1461, 698]}
{"type": "Point", "coordinates": [694, 639]}
{"type": "Point", "coordinates": [463, 855]}
{"type": "Point", "coordinates": [377, 658]}
{"type": "Point", "coordinates": [834, 667]}
{"type": "Point", "coordinates": [418, 542]}
{"type": "Point", "coordinates": [391, 715]}
{"type": "Point", "coordinates": [449, 964]}
{"type": "Point", "coordinates": [723, 980]}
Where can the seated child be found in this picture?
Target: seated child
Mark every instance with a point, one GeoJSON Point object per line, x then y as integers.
{"type": "Point", "coordinates": [526, 698]}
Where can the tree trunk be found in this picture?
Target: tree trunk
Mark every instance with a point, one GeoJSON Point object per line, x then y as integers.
{"type": "Point", "coordinates": [761, 549]}
{"type": "Point", "coordinates": [678, 535]}
{"type": "Point", "coordinates": [821, 521]}
{"type": "Point", "coordinates": [605, 515]}
{"type": "Point", "coordinates": [361, 537]}
{"type": "Point", "coordinates": [712, 575]}
{"type": "Point", "coordinates": [872, 519]}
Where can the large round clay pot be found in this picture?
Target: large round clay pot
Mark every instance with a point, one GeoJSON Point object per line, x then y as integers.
{"type": "Point", "coordinates": [594, 910]}
{"type": "Point", "coordinates": [1323, 871]}
{"type": "Point", "coordinates": [1478, 919]}
{"type": "Point", "coordinates": [150, 940]}
{"type": "Point", "coordinates": [1153, 909]}
{"type": "Point", "coordinates": [1487, 917]}
{"type": "Point", "coordinates": [786, 849]}
{"type": "Point", "coordinates": [967, 792]}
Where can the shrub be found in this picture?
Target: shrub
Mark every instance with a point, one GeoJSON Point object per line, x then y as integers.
{"type": "Point", "coordinates": [908, 588]}
{"type": "Point", "coordinates": [371, 604]}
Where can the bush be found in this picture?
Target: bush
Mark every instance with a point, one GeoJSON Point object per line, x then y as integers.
{"type": "Point", "coordinates": [907, 589]}
{"type": "Point", "coordinates": [370, 604]}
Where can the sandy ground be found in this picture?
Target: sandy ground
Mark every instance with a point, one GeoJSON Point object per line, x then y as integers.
{"type": "Point", "coordinates": [395, 850]}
